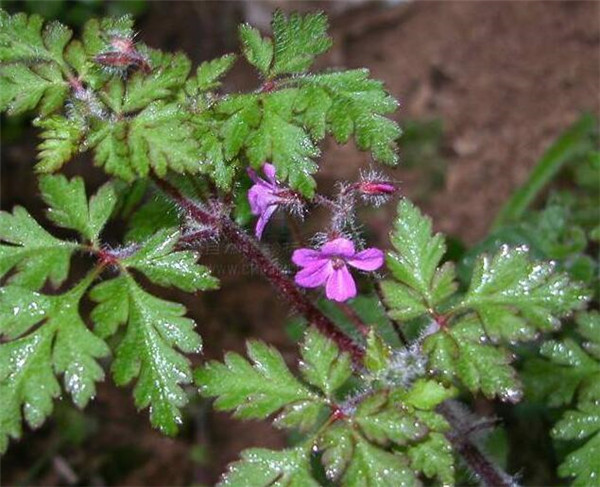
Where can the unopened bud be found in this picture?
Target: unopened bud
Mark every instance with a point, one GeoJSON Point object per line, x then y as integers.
{"type": "Point", "coordinates": [376, 188]}
{"type": "Point", "coordinates": [122, 56]}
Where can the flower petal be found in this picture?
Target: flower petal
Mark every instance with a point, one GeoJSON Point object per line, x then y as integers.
{"type": "Point", "coordinates": [367, 260]}
{"type": "Point", "coordinates": [341, 247]}
{"type": "Point", "coordinates": [306, 257]}
{"type": "Point", "coordinates": [340, 285]}
{"type": "Point", "coordinates": [269, 171]}
{"type": "Point", "coordinates": [314, 275]}
{"type": "Point", "coordinates": [260, 197]}
{"type": "Point", "coordinates": [263, 220]}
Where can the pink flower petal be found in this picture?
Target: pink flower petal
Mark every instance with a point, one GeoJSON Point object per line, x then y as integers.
{"type": "Point", "coordinates": [263, 220]}
{"type": "Point", "coordinates": [269, 171]}
{"type": "Point", "coordinates": [260, 198]}
{"type": "Point", "coordinates": [367, 260]}
{"type": "Point", "coordinates": [341, 247]}
{"type": "Point", "coordinates": [314, 275]}
{"type": "Point", "coordinates": [340, 285]}
{"type": "Point", "coordinates": [306, 257]}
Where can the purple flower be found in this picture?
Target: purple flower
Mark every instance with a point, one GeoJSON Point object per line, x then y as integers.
{"type": "Point", "coordinates": [328, 266]}
{"type": "Point", "coordinates": [266, 195]}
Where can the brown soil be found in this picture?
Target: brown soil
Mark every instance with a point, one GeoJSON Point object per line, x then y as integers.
{"type": "Point", "coordinates": [505, 77]}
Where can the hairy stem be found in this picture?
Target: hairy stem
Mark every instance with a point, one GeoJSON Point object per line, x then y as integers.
{"type": "Point", "coordinates": [251, 250]}
{"type": "Point", "coordinates": [487, 472]}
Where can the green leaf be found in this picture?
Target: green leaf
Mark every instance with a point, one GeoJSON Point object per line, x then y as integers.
{"type": "Point", "coordinates": [62, 344]}
{"type": "Point", "coordinates": [169, 73]}
{"type": "Point", "coordinates": [461, 351]}
{"type": "Point", "coordinates": [20, 309]}
{"type": "Point", "coordinates": [37, 255]}
{"type": "Point", "coordinates": [31, 75]}
{"type": "Point", "coordinates": [570, 373]}
{"type": "Point", "coordinates": [253, 390]}
{"type": "Point", "coordinates": [434, 458]}
{"type": "Point", "coordinates": [359, 463]}
{"type": "Point", "coordinates": [159, 138]}
{"type": "Point", "coordinates": [111, 152]}
{"type": "Point", "coordinates": [427, 394]}
{"type": "Point", "coordinates": [221, 171]}
{"type": "Point", "coordinates": [419, 284]}
{"type": "Point", "coordinates": [159, 262]}
{"type": "Point", "coordinates": [346, 103]}
{"type": "Point", "coordinates": [243, 113]}
{"type": "Point", "coordinates": [578, 425]}
{"type": "Point", "coordinates": [569, 370]}
{"type": "Point", "coordinates": [112, 309]}
{"type": "Point", "coordinates": [514, 296]}
{"type": "Point", "coordinates": [74, 353]}
{"type": "Point", "coordinates": [403, 302]}
{"type": "Point", "coordinates": [260, 467]}
{"type": "Point", "coordinates": [209, 72]}
{"type": "Point", "coordinates": [24, 88]}
{"type": "Point", "coordinates": [302, 416]}
{"type": "Point", "coordinates": [383, 422]}
{"type": "Point", "coordinates": [157, 214]}
{"type": "Point", "coordinates": [337, 444]}
{"type": "Point", "coordinates": [297, 40]}
{"type": "Point", "coordinates": [322, 364]}
{"type": "Point", "coordinates": [147, 351]}
{"type": "Point", "coordinates": [371, 465]}
{"type": "Point", "coordinates": [377, 357]}
{"type": "Point", "coordinates": [27, 383]}
{"type": "Point", "coordinates": [69, 207]}
{"type": "Point", "coordinates": [288, 146]}
{"type": "Point", "coordinates": [22, 39]}
{"type": "Point", "coordinates": [588, 326]}
{"type": "Point", "coordinates": [257, 50]}
{"type": "Point", "coordinates": [60, 142]}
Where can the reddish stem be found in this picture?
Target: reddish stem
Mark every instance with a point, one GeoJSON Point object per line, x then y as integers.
{"type": "Point", "coordinates": [489, 474]}
{"type": "Point", "coordinates": [250, 249]}
{"type": "Point", "coordinates": [354, 318]}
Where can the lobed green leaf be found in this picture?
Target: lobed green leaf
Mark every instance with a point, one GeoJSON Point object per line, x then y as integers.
{"type": "Point", "coordinates": [297, 40]}
{"type": "Point", "coordinates": [37, 255]}
{"type": "Point", "coordinates": [159, 262]}
{"type": "Point", "coordinates": [253, 389]}
{"type": "Point", "coordinates": [69, 206]}
{"type": "Point", "coordinates": [260, 467]}
{"type": "Point", "coordinates": [147, 351]}
{"type": "Point", "coordinates": [323, 365]}
{"type": "Point", "coordinates": [61, 137]}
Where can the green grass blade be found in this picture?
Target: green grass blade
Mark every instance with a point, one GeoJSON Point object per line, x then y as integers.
{"type": "Point", "coordinates": [574, 142]}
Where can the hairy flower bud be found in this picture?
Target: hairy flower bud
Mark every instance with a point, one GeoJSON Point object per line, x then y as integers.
{"type": "Point", "coordinates": [374, 188]}
{"type": "Point", "coordinates": [122, 56]}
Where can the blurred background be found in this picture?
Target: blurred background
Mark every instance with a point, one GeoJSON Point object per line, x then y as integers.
{"type": "Point", "coordinates": [484, 89]}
